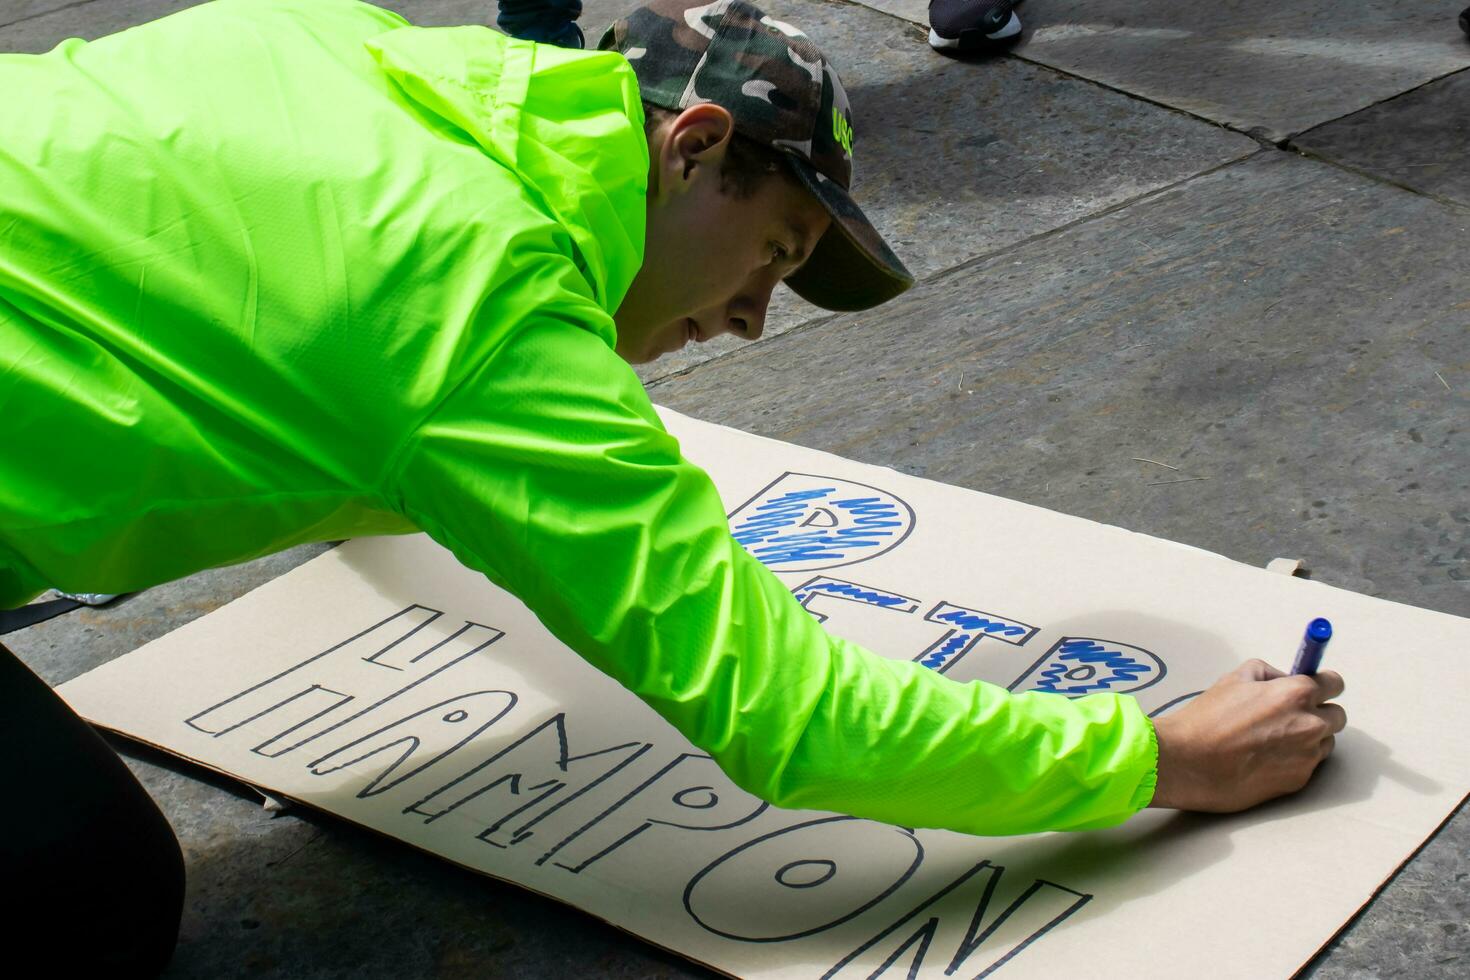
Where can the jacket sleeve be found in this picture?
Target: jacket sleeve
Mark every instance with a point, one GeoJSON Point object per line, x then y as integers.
{"type": "Point", "coordinates": [548, 470]}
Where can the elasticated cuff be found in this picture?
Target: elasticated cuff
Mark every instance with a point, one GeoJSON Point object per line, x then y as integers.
{"type": "Point", "coordinates": [1144, 794]}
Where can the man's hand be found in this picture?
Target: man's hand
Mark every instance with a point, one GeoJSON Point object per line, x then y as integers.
{"type": "Point", "coordinates": [1254, 735]}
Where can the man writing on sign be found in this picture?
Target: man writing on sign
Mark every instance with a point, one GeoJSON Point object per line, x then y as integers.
{"type": "Point", "coordinates": [291, 270]}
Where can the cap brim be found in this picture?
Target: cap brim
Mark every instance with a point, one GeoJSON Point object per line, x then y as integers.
{"type": "Point", "coordinates": [851, 267]}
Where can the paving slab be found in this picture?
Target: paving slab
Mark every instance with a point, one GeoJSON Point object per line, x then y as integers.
{"type": "Point", "coordinates": [1270, 333]}
{"type": "Point", "coordinates": [1420, 139]}
{"type": "Point", "coordinates": [88, 20]}
{"type": "Point", "coordinates": [956, 160]}
{"type": "Point", "coordinates": [1279, 327]}
{"type": "Point", "coordinates": [48, 22]}
{"type": "Point", "coordinates": [1257, 65]}
{"type": "Point", "coordinates": [14, 10]}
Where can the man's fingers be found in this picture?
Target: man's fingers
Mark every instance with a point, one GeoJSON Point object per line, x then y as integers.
{"type": "Point", "coordinates": [1257, 670]}
{"type": "Point", "coordinates": [1329, 684]}
{"type": "Point", "coordinates": [1334, 715]}
{"type": "Point", "coordinates": [1328, 744]}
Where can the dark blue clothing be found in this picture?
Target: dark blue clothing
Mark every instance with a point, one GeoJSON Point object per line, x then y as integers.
{"type": "Point", "coordinates": [546, 21]}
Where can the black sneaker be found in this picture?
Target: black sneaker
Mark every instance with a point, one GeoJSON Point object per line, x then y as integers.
{"type": "Point", "coordinates": [972, 25]}
{"type": "Point", "coordinates": [1465, 20]}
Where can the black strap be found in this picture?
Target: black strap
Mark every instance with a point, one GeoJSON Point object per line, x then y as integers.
{"type": "Point", "coordinates": [37, 612]}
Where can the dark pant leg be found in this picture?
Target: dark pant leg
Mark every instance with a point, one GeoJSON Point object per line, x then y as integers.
{"type": "Point", "coordinates": [91, 875]}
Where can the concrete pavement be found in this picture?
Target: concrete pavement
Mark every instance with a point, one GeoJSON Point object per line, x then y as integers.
{"type": "Point", "coordinates": [1232, 238]}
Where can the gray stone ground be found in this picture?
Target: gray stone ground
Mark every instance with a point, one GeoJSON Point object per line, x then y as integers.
{"type": "Point", "coordinates": [1232, 237]}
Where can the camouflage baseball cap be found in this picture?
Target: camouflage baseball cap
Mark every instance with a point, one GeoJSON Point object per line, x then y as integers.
{"type": "Point", "coordinates": [783, 92]}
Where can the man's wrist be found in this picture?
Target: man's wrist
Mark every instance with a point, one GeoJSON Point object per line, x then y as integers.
{"type": "Point", "coordinates": [1165, 770]}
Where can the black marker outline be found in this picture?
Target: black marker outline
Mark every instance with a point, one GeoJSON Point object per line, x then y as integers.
{"type": "Point", "coordinates": [734, 851]}
{"type": "Point", "coordinates": [955, 658]}
{"type": "Point", "coordinates": [647, 822]}
{"type": "Point", "coordinates": [371, 789]}
{"type": "Point", "coordinates": [190, 721]}
{"type": "Point", "coordinates": [564, 759]}
{"type": "Point", "coordinates": [1169, 704]}
{"type": "Point", "coordinates": [495, 635]}
{"type": "Point", "coordinates": [806, 601]}
{"type": "Point", "coordinates": [831, 870]}
{"type": "Point", "coordinates": [971, 941]}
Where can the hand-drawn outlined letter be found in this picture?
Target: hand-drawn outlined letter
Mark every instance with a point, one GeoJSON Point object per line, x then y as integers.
{"type": "Point", "coordinates": [502, 790]}
{"type": "Point", "coordinates": [801, 523]}
{"type": "Point", "coordinates": [823, 585]}
{"type": "Point", "coordinates": [801, 880]}
{"type": "Point", "coordinates": [387, 659]}
{"type": "Point", "coordinates": [967, 627]}
{"type": "Point", "coordinates": [964, 628]}
{"type": "Point", "coordinates": [1078, 665]}
{"type": "Point", "coordinates": [440, 726]}
{"type": "Point", "coordinates": [690, 793]}
{"type": "Point", "coordinates": [905, 944]}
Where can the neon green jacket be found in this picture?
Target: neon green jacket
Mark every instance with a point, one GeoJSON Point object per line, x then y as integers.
{"type": "Point", "coordinates": [289, 270]}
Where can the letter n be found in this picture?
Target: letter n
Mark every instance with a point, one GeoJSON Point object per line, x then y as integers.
{"type": "Point", "coordinates": [940, 923]}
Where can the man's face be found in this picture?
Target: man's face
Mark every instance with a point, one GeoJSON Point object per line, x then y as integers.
{"type": "Point", "coordinates": [711, 257]}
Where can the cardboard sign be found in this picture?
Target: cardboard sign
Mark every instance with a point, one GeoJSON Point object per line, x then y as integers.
{"type": "Point", "coordinates": [389, 685]}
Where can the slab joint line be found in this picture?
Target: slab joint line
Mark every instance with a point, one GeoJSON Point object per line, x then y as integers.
{"type": "Point", "coordinates": [45, 13]}
{"type": "Point", "coordinates": [749, 350]}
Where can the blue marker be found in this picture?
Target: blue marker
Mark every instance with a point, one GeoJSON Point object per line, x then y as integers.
{"type": "Point", "coordinates": [1309, 657]}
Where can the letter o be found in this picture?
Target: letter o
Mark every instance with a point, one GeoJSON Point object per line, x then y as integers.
{"type": "Point", "coordinates": [752, 893]}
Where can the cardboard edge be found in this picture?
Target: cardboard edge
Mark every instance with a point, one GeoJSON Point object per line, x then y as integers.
{"type": "Point", "coordinates": [300, 804]}
{"type": "Point", "coordinates": [1378, 889]}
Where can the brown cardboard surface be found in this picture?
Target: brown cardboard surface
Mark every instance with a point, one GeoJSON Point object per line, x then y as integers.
{"type": "Point", "coordinates": [389, 685]}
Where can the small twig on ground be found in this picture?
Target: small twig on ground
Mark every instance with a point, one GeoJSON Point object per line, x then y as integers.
{"type": "Point", "coordinates": [1165, 483]}
{"type": "Point", "coordinates": [961, 385]}
{"type": "Point", "coordinates": [1140, 459]}
{"type": "Point", "coordinates": [1443, 381]}
{"type": "Point", "coordinates": [311, 840]}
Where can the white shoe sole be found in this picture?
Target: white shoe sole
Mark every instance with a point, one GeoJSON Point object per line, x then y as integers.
{"type": "Point", "coordinates": [1011, 29]}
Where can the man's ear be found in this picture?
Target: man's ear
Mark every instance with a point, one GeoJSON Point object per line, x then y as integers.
{"type": "Point", "coordinates": [694, 145]}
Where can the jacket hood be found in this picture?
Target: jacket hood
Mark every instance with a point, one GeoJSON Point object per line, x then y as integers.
{"type": "Point", "coordinates": [568, 123]}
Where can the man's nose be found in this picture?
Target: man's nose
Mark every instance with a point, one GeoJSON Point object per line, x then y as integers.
{"type": "Point", "coordinates": [748, 314]}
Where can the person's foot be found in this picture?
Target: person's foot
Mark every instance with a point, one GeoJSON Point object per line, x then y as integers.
{"type": "Point", "coordinates": [972, 25]}
{"type": "Point", "coordinates": [1465, 20]}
